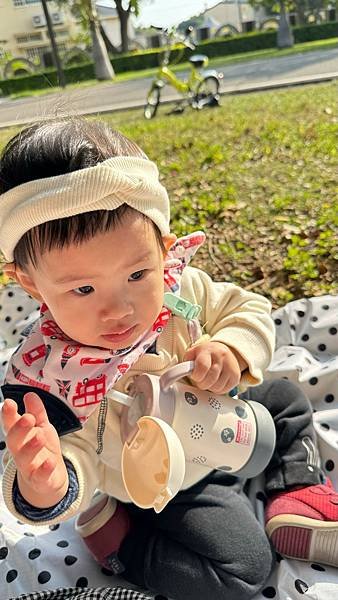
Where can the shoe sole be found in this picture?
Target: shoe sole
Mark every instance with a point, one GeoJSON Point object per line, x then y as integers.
{"type": "Point", "coordinates": [302, 538]}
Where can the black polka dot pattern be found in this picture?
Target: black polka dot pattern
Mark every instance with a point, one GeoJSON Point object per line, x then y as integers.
{"type": "Point", "coordinates": [301, 586]}
{"type": "Point", "coordinates": [11, 575]}
{"type": "Point", "coordinates": [329, 398]}
{"type": "Point", "coordinates": [329, 465]}
{"type": "Point", "coordinates": [70, 560]}
{"type": "Point", "coordinates": [33, 554]}
{"type": "Point", "coordinates": [316, 567]}
{"type": "Point", "coordinates": [44, 577]}
{"type": "Point", "coordinates": [269, 592]}
{"type": "Point", "coordinates": [82, 582]}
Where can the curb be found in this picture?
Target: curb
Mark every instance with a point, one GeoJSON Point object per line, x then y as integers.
{"type": "Point", "coordinates": [238, 89]}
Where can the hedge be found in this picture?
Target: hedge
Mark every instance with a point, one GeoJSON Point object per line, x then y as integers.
{"type": "Point", "coordinates": [151, 58]}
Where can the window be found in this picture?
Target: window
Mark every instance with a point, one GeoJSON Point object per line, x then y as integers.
{"type": "Point", "coordinates": [59, 33]}
{"type": "Point", "coordinates": [24, 2]}
{"type": "Point", "coordinates": [36, 53]}
{"type": "Point", "coordinates": [30, 37]}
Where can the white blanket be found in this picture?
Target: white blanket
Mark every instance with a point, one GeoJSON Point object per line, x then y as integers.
{"type": "Point", "coordinates": [43, 558]}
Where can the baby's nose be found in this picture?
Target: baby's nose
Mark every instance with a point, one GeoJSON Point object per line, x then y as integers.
{"type": "Point", "coordinates": [116, 309]}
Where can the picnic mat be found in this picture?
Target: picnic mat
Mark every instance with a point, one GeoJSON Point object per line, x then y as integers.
{"type": "Point", "coordinates": [54, 558]}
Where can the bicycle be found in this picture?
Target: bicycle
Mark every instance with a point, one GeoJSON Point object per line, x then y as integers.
{"type": "Point", "coordinates": [199, 90]}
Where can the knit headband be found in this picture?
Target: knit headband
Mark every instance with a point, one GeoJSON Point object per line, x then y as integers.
{"type": "Point", "coordinates": [115, 181]}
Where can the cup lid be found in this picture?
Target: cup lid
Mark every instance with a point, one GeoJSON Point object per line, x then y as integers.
{"type": "Point", "coordinates": [153, 464]}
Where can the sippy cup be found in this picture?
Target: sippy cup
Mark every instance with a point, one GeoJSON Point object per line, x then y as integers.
{"type": "Point", "coordinates": [169, 423]}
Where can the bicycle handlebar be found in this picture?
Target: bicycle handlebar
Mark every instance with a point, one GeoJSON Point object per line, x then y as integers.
{"type": "Point", "coordinates": [173, 38]}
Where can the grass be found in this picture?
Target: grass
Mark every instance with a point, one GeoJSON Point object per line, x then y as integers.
{"type": "Point", "coordinates": [259, 175]}
{"type": "Point", "coordinates": [215, 62]}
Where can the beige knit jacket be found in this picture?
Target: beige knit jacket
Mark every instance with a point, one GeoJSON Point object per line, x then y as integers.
{"type": "Point", "coordinates": [230, 315]}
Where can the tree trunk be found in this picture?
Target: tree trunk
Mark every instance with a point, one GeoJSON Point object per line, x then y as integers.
{"type": "Point", "coordinates": [110, 47]}
{"type": "Point", "coordinates": [124, 16]}
{"type": "Point", "coordinates": [285, 37]}
{"type": "Point", "coordinates": [103, 67]}
{"type": "Point", "coordinates": [300, 10]}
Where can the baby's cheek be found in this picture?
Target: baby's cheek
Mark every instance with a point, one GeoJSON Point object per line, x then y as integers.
{"type": "Point", "coordinates": [71, 321]}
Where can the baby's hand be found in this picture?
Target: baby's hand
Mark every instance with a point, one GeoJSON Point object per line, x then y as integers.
{"type": "Point", "coordinates": [35, 446]}
{"type": "Point", "coordinates": [217, 368]}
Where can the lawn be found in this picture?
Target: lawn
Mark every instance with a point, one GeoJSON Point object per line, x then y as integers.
{"type": "Point", "coordinates": [260, 176]}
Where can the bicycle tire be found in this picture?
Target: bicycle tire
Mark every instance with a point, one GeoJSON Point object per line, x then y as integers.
{"type": "Point", "coordinates": [202, 89]}
{"type": "Point", "coordinates": [153, 101]}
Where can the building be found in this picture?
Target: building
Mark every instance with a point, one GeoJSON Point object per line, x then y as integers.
{"type": "Point", "coordinates": [226, 17]}
{"type": "Point", "coordinates": [238, 13]}
{"type": "Point", "coordinates": [23, 30]}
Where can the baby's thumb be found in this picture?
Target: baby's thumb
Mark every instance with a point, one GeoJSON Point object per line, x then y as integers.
{"type": "Point", "coordinates": [190, 354]}
{"type": "Point", "coordinates": [35, 407]}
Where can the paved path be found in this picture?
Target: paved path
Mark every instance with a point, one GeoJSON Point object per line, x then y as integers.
{"type": "Point", "coordinates": [321, 65]}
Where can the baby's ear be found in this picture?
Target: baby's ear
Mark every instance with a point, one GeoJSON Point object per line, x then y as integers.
{"type": "Point", "coordinates": [9, 270]}
{"type": "Point", "coordinates": [168, 241]}
{"type": "Point", "coordinates": [24, 279]}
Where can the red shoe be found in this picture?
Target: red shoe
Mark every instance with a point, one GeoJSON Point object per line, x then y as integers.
{"type": "Point", "coordinates": [303, 523]}
{"type": "Point", "coordinates": [103, 527]}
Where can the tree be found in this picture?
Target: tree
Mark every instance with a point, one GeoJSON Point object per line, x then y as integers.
{"type": "Point", "coordinates": [284, 34]}
{"type": "Point", "coordinates": [86, 11]}
{"type": "Point", "coordinates": [285, 37]}
{"type": "Point", "coordinates": [124, 9]}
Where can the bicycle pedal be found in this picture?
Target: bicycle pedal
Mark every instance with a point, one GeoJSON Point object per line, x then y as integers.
{"type": "Point", "coordinates": [177, 110]}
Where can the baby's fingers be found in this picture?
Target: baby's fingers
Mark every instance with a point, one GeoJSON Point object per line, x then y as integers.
{"type": "Point", "coordinates": [31, 455]}
{"type": "Point", "coordinates": [9, 414]}
{"type": "Point", "coordinates": [20, 433]}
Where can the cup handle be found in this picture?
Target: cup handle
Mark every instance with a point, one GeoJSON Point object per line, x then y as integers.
{"type": "Point", "coordinates": [179, 371]}
{"type": "Point", "coordinates": [175, 373]}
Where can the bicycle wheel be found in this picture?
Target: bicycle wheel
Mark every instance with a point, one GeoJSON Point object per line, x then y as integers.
{"type": "Point", "coordinates": [208, 88]}
{"type": "Point", "coordinates": [153, 101]}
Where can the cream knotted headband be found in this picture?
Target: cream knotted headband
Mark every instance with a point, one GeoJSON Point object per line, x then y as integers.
{"type": "Point", "coordinates": [115, 181]}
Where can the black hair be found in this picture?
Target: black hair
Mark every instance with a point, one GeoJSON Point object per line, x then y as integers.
{"type": "Point", "coordinates": [53, 148]}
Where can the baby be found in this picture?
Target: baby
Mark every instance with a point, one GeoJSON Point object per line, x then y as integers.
{"type": "Point", "coordinates": [84, 229]}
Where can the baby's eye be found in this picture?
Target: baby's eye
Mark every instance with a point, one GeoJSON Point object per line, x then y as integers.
{"type": "Point", "coordinates": [137, 275]}
{"type": "Point", "coordinates": [84, 290]}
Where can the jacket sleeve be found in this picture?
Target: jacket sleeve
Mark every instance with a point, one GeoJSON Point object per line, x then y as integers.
{"type": "Point", "coordinates": [234, 317]}
{"type": "Point", "coordinates": [83, 458]}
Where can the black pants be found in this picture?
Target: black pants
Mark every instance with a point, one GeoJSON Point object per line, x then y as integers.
{"type": "Point", "coordinates": [207, 542]}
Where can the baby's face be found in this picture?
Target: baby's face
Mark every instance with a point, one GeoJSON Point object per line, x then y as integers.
{"type": "Point", "coordinates": [106, 291]}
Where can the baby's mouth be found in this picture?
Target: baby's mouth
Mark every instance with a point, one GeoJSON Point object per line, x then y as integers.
{"type": "Point", "coordinates": [119, 335]}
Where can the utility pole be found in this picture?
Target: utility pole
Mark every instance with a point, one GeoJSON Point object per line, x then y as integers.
{"type": "Point", "coordinates": [55, 53]}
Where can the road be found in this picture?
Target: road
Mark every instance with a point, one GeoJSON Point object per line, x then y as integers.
{"type": "Point", "coordinates": [238, 77]}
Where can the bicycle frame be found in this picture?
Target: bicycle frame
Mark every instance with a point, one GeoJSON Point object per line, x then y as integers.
{"type": "Point", "coordinates": [183, 87]}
